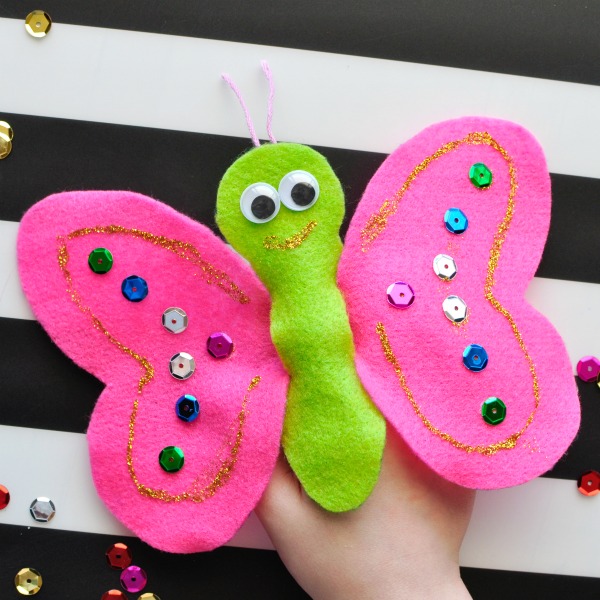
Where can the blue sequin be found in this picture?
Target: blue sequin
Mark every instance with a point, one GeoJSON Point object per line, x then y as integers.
{"type": "Point", "coordinates": [475, 358]}
{"type": "Point", "coordinates": [187, 408]}
{"type": "Point", "coordinates": [456, 221]}
{"type": "Point", "coordinates": [134, 288]}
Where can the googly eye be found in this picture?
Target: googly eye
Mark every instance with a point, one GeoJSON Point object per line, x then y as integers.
{"type": "Point", "coordinates": [299, 190]}
{"type": "Point", "coordinates": [260, 202]}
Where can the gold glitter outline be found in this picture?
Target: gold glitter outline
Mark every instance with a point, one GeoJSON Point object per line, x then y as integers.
{"type": "Point", "coordinates": [182, 249]}
{"type": "Point", "coordinates": [377, 223]}
{"type": "Point", "coordinates": [226, 464]}
{"type": "Point", "coordinates": [271, 242]}
{"type": "Point", "coordinates": [224, 470]}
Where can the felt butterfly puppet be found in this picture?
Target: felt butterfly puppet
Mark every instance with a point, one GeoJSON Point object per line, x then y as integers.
{"type": "Point", "coordinates": [418, 319]}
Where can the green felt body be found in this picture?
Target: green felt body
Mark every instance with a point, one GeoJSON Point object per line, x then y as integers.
{"type": "Point", "coordinates": [333, 435]}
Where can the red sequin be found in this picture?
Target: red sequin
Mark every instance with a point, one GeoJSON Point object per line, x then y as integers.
{"type": "Point", "coordinates": [589, 483]}
{"type": "Point", "coordinates": [4, 497]}
{"type": "Point", "coordinates": [114, 595]}
{"type": "Point", "coordinates": [118, 556]}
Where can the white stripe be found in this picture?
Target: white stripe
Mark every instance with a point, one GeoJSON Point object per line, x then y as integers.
{"type": "Point", "coordinates": [37, 462]}
{"type": "Point", "coordinates": [570, 305]}
{"type": "Point", "coordinates": [13, 303]}
{"type": "Point", "coordinates": [544, 526]}
{"type": "Point", "coordinates": [173, 82]}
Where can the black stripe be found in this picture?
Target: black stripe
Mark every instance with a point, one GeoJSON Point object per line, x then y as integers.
{"type": "Point", "coordinates": [42, 388]}
{"type": "Point", "coordinates": [489, 584]}
{"type": "Point", "coordinates": [571, 250]}
{"type": "Point", "coordinates": [184, 169]}
{"type": "Point", "coordinates": [584, 452]}
{"type": "Point", "coordinates": [530, 37]}
{"type": "Point", "coordinates": [73, 566]}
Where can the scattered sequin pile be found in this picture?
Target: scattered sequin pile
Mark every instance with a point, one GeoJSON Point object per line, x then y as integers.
{"type": "Point", "coordinates": [28, 581]}
{"type": "Point", "coordinates": [132, 578]}
{"type": "Point", "coordinates": [588, 370]}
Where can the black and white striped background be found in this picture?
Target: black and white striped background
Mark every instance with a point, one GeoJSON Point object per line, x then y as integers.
{"type": "Point", "coordinates": [129, 96]}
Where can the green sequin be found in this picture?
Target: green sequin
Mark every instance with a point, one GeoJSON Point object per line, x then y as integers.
{"type": "Point", "coordinates": [171, 459]}
{"type": "Point", "coordinates": [493, 411]}
{"type": "Point", "coordinates": [480, 175]}
{"type": "Point", "coordinates": [100, 260]}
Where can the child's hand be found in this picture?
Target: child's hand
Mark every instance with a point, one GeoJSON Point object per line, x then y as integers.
{"type": "Point", "coordinates": [403, 542]}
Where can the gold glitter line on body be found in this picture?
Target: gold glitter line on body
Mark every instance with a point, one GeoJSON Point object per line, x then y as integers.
{"type": "Point", "coordinates": [185, 250]}
{"type": "Point", "coordinates": [272, 242]}
{"type": "Point", "coordinates": [377, 223]}
{"type": "Point", "coordinates": [225, 464]}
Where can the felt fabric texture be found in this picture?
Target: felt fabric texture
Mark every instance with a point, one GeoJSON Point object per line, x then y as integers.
{"type": "Point", "coordinates": [333, 435]}
{"type": "Point", "coordinates": [228, 458]}
{"type": "Point", "coordinates": [427, 346]}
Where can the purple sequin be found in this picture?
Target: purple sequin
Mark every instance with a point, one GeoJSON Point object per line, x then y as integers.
{"type": "Point", "coordinates": [220, 345]}
{"type": "Point", "coordinates": [400, 295]}
{"type": "Point", "coordinates": [133, 579]}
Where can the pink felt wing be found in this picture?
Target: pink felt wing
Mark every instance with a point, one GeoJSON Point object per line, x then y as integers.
{"type": "Point", "coordinates": [230, 449]}
{"type": "Point", "coordinates": [412, 359]}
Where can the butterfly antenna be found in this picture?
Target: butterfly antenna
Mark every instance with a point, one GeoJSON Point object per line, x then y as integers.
{"type": "Point", "coordinates": [267, 71]}
{"type": "Point", "coordinates": [237, 92]}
